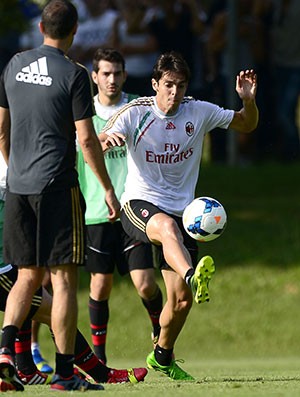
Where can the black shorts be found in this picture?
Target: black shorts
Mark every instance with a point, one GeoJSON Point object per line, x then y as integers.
{"type": "Point", "coordinates": [7, 280]}
{"type": "Point", "coordinates": [134, 217]}
{"type": "Point", "coordinates": [108, 246]}
{"type": "Point", "coordinates": [44, 230]}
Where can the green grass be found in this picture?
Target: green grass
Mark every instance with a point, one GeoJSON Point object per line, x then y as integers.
{"type": "Point", "coordinates": [217, 378]}
{"type": "Point", "coordinates": [246, 340]}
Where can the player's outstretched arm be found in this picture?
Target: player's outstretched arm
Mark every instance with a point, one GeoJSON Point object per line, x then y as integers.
{"type": "Point", "coordinates": [246, 119]}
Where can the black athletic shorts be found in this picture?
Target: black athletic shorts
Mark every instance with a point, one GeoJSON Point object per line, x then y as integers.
{"type": "Point", "coordinates": [45, 229]}
{"type": "Point", "coordinates": [134, 217]}
{"type": "Point", "coordinates": [108, 246]}
{"type": "Point", "coordinates": [7, 280]}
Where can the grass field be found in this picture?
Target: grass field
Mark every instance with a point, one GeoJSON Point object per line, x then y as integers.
{"type": "Point", "coordinates": [246, 340]}
{"type": "Point", "coordinates": [219, 378]}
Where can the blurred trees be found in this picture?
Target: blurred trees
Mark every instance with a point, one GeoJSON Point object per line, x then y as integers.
{"type": "Point", "coordinates": [15, 17]}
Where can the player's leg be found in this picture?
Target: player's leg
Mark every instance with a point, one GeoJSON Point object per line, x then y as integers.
{"type": "Point", "coordinates": [63, 323]}
{"type": "Point", "coordinates": [64, 315]}
{"type": "Point", "coordinates": [151, 296]}
{"type": "Point", "coordinates": [199, 278]}
{"type": "Point", "coordinates": [100, 289]}
{"type": "Point", "coordinates": [61, 236]}
{"type": "Point", "coordinates": [8, 277]}
{"type": "Point", "coordinates": [176, 309]}
{"type": "Point", "coordinates": [41, 363]}
{"type": "Point", "coordinates": [136, 257]}
{"type": "Point", "coordinates": [19, 299]}
{"type": "Point", "coordinates": [19, 242]}
{"type": "Point", "coordinates": [146, 222]}
{"type": "Point", "coordinates": [85, 359]}
{"type": "Point", "coordinates": [28, 372]}
{"type": "Point", "coordinates": [17, 307]}
{"type": "Point", "coordinates": [100, 264]}
{"type": "Point", "coordinates": [163, 229]}
{"type": "Point", "coordinates": [167, 231]}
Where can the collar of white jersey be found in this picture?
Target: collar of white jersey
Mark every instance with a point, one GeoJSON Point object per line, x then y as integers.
{"type": "Point", "coordinates": [106, 112]}
{"type": "Point", "coordinates": [161, 114]}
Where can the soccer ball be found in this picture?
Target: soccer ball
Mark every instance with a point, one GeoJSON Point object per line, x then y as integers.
{"type": "Point", "coordinates": [204, 219]}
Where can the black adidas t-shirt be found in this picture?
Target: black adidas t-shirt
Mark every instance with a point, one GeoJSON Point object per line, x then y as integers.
{"type": "Point", "coordinates": [45, 92]}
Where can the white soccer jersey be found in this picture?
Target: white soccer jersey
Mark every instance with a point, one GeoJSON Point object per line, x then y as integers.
{"type": "Point", "coordinates": [164, 152]}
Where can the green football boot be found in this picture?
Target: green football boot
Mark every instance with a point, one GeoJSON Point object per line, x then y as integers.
{"type": "Point", "coordinates": [173, 371]}
{"type": "Point", "coordinates": [200, 280]}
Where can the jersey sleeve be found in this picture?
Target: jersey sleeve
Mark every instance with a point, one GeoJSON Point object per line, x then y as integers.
{"type": "Point", "coordinates": [118, 122]}
{"type": "Point", "coordinates": [216, 116]}
{"type": "Point", "coordinates": [82, 99]}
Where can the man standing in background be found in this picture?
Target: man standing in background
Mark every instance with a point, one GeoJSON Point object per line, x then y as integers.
{"type": "Point", "coordinates": [108, 246]}
{"type": "Point", "coordinates": [44, 98]}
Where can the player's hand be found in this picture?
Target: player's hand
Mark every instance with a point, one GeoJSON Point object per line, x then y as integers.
{"type": "Point", "coordinates": [113, 205]}
{"type": "Point", "coordinates": [246, 85]}
{"type": "Point", "coordinates": [115, 139]}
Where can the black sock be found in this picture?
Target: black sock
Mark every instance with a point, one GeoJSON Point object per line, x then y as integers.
{"type": "Point", "coordinates": [154, 308]}
{"type": "Point", "coordinates": [64, 365]}
{"type": "Point", "coordinates": [188, 276]}
{"type": "Point", "coordinates": [8, 338]}
{"type": "Point", "coordinates": [163, 356]}
{"type": "Point", "coordinates": [86, 360]}
{"type": "Point", "coordinates": [24, 358]}
{"type": "Point", "coordinates": [99, 316]}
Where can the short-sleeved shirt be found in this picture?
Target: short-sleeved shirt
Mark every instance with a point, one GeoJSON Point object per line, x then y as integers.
{"type": "Point", "coordinates": [164, 152]}
{"type": "Point", "coordinates": [45, 92]}
{"type": "Point", "coordinates": [116, 165]}
{"type": "Point", "coordinates": [95, 32]}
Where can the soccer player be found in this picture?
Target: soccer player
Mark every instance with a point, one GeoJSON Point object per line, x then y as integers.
{"type": "Point", "coordinates": [107, 244]}
{"type": "Point", "coordinates": [44, 98]}
{"type": "Point", "coordinates": [40, 310]}
{"type": "Point", "coordinates": [164, 136]}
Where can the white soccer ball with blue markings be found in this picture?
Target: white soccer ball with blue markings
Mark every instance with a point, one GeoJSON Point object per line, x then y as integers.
{"type": "Point", "coordinates": [204, 219]}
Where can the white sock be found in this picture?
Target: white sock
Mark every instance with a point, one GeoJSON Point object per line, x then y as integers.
{"type": "Point", "coordinates": [35, 345]}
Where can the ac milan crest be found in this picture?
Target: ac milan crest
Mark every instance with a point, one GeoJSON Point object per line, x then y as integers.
{"type": "Point", "coordinates": [144, 213]}
{"type": "Point", "coordinates": [189, 128]}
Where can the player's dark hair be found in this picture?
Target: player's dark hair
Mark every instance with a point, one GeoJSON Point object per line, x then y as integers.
{"type": "Point", "coordinates": [107, 54]}
{"type": "Point", "coordinates": [59, 17]}
{"type": "Point", "coordinates": [171, 62]}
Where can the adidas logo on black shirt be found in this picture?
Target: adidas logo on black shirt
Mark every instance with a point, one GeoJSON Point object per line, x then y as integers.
{"type": "Point", "coordinates": [35, 73]}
